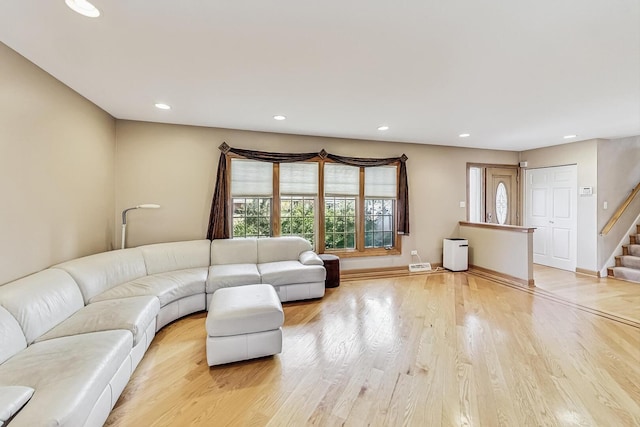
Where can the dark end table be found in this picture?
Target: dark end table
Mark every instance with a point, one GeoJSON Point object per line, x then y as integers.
{"type": "Point", "coordinates": [332, 265]}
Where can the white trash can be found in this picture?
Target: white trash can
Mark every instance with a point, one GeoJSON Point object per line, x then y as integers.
{"type": "Point", "coordinates": [455, 254]}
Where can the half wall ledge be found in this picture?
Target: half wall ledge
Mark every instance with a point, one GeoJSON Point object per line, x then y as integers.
{"type": "Point", "coordinates": [503, 251]}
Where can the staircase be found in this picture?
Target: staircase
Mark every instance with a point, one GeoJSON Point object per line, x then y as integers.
{"type": "Point", "coordinates": [628, 264]}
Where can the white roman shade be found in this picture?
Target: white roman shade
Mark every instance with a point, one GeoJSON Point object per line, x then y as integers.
{"type": "Point", "coordinates": [299, 179]}
{"type": "Point", "coordinates": [251, 178]}
{"type": "Point", "coordinates": [341, 180]}
{"type": "Point", "coordinates": [381, 182]}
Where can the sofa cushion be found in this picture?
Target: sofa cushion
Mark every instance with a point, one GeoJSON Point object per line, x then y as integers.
{"type": "Point", "coordinates": [229, 275]}
{"type": "Point", "coordinates": [168, 287]}
{"type": "Point", "coordinates": [310, 258]}
{"type": "Point", "coordinates": [234, 251]}
{"type": "Point", "coordinates": [285, 248]}
{"type": "Point", "coordinates": [12, 339]}
{"type": "Point", "coordinates": [101, 272]}
{"type": "Point", "coordinates": [41, 301]}
{"type": "Point", "coordinates": [12, 399]}
{"type": "Point", "coordinates": [131, 314]}
{"type": "Point", "coordinates": [290, 272]}
{"type": "Point", "coordinates": [164, 257]}
{"type": "Point", "coordinates": [69, 374]}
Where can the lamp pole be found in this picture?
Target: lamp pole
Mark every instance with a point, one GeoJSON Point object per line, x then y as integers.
{"type": "Point", "coordinates": [124, 218]}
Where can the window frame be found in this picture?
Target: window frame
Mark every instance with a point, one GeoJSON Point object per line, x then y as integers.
{"type": "Point", "coordinates": [360, 250]}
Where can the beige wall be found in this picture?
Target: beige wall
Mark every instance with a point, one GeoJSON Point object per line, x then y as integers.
{"type": "Point", "coordinates": [584, 154]}
{"type": "Point", "coordinates": [175, 167]}
{"type": "Point", "coordinates": [618, 174]}
{"type": "Point", "coordinates": [63, 161]}
{"type": "Point", "coordinates": [56, 171]}
{"type": "Point", "coordinates": [507, 251]}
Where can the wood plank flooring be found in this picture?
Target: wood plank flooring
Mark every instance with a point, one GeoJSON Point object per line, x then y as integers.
{"type": "Point", "coordinates": [606, 294]}
{"type": "Point", "coordinates": [446, 349]}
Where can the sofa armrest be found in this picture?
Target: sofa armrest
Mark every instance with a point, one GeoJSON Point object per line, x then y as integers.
{"type": "Point", "coordinates": [310, 258]}
{"type": "Point", "coordinates": [12, 399]}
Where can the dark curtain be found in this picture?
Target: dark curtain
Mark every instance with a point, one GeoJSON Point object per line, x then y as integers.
{"type": "Point", "coordinates": [403, 198]}
{"type": "Point", "coordinates": [219, 221]}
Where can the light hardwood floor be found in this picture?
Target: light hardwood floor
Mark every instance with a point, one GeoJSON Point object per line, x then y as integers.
{"type": "Point", "coordinates": [606, 295]}
{"type": "Point", "coordinates": [447, 349]}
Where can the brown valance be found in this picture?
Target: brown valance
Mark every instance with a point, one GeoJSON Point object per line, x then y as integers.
{"type": "Point", "coordinates": [220, 221]}
{"type": "Point", "coordinates": [264, 156]}
{"type": "Point", "coordinates": [363, 162]}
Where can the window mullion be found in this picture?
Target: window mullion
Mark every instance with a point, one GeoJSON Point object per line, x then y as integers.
{"type": "Point", "coordinates": [275, 201]}
{"type": "Point", "coordinates": [230, 197]}
{"type": "Point", "coordinates": [360, 214]}
{"type": "Point", "coordinates": [320, 232]}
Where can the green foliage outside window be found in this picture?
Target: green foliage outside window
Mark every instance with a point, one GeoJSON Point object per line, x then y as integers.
{"type": "Point", "coordinates": [340, 222]}
{"type": "Point", "coordinates": [252, 217]}
{"type": "Point", "coordinates": [297, 217]}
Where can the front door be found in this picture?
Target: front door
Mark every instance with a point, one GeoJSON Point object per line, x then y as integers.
{"type": "Point", "coordinates": [501, 202]}
{"type": "Point", "coordinates": [551, 207]}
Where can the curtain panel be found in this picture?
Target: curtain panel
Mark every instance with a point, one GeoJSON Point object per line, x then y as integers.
{"type": "Point", "coordinates": [220, 220]}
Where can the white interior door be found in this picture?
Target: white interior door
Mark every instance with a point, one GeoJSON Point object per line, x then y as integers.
{"type": "Point", "coordinates": [551, 207]}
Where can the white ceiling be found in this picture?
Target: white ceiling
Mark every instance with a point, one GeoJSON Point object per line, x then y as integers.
{"type": "Point", "coordinates": [514, 74]}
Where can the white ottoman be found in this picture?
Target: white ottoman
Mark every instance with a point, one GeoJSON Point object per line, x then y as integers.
{"type": "Point", "coordinates": [244, 322]}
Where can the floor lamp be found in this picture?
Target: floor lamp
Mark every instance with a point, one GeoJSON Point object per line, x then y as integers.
{"type": "Point", "coordinates": [124, 218]}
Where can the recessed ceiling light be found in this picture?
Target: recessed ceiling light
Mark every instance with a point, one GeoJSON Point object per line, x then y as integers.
{"type": "Point", "coordinates": [83, 7]}
{"type": "Point", "coordinates": [383, 127]}
{"type": "Point", "coordinates": [162, 106]}
{"type": "Point", "coordinates": [279, 117]}
{"type": "Point", "coordinates": [569, 136]}
{"type": "Point", "coordinates": [464, 135]}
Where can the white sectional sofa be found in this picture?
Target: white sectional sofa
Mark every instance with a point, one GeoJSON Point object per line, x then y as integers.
{"type": "Point", "coordinates": [72, 335]}
{"type": "Point", "coordinates": [287, 263]}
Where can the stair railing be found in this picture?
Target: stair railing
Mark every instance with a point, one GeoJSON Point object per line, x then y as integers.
{"type": "Point", "coordinates": [618, 213]}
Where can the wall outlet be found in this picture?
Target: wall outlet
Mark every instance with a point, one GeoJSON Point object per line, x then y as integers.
{"type": "Point", "coordinates": [414, 252]}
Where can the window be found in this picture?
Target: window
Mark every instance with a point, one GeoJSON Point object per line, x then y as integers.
{"type": "Point", "coordinates": [475, 194]}
{"type": "Point", "coordinates": [338, 208]}
{"type": "Point", "coordinates": [251, 193]}
{"type": "Point", "coordinates": [502, 203]}
{"type": "Point", "coordinates": [297, 217]}
{"type": "Point", "coordinates": [379, 206]}
{"type": "Point", "coordinates": [341, 189]}
{"type": "Point", "coordinates": [340, 222]}
{"type": "Point", "coordinates": [251, 217]}
{"type": "Point", "coordinates": [298, 194]}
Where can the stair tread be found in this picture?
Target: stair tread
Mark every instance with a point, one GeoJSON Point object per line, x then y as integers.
{"type": "Point", "coordinates": [632, 274]}
{"type": "Point", "coordinates": [633, 250]}
{"type": "Point", "coordinates": [627, 265]}
{"type": "Point", "coordinates": [629, 261]}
